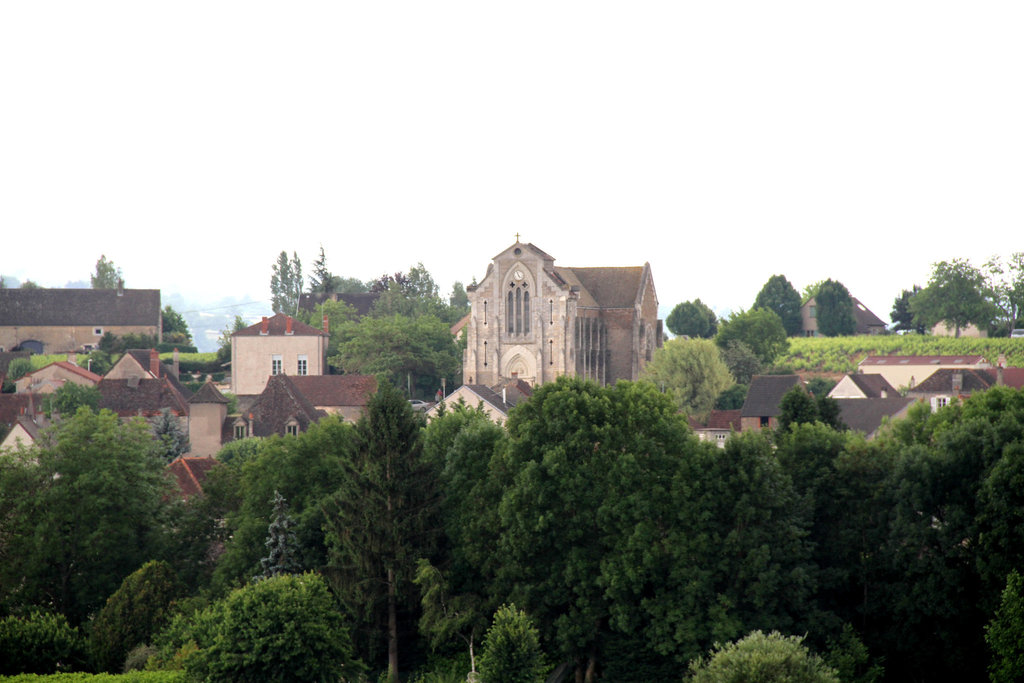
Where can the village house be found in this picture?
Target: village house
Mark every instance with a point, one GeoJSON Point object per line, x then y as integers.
{"type": "Point", "coordinates": [906, 372]}
{"type": "Point", "coordinates": [68, 320]}
{"type": "Point", "coordinates": [275, 346]}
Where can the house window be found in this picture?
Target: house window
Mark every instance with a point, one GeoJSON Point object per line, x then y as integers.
{"type": "Point", "coordinates": [940, 402]}
{"type": "Point", "coordinates": [98, 331]}
{"type": "Point", "coordinates": [292, 429]}
{"type": "Point", "coordinates": [239, 431]}
{"type": "Point", "coordinates": [813, 311]}
{"type": "Point", "coordinates": [275, 364]}
{"type": "Point", "coordinates": [303, 367]}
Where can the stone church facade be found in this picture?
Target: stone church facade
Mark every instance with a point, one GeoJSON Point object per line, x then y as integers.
{"type": "Point", "coordinates": [534, 321]}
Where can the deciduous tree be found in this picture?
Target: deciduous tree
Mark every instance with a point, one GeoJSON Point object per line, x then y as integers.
{"type": "Point", "coordinates": [106, 276]}
{"type": "Point", "coordinates": [692, 319]}
{"type": "Point", "coordinates": [902, 317]}
{"type": "Point", "coordinates": [955, 295]}
{"type": "Point", "coordinates": [834, 309]}
{"type": "Point", "coordinates": [286, 284]}
{"type": "Point", "coordinates": [691, 371]}
{"type": "Point", "coordinates": [760, 330]}
{"type": "Point", "coordinates": [779, 295]}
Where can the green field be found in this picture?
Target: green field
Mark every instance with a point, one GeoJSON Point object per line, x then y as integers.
{"type": "Point", "coordinates": [842, 354]}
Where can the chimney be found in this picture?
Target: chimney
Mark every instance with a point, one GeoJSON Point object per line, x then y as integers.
{"type": "Point", "coordinates": [327, 324]}
{"type": "Point", "coordinates": [120, 287]}
{"type": "Point", "coordinates": [263, 326]}
{"type": "Point", "coordinates": [73, 358]}
{"type": "Point", "coordinates": [250, 424]}
{"type": "Point", "coordinates": [176, 366]}
{"type": "Point", "coordinates": [958, 381]}
{"type": "Point", "coordinates": [288, 324]}
{"type": "Point", "coordinates": [154, 362]}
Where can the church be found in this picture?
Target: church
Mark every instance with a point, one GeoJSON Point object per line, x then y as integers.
{"type": "Point", "coordinates": [534, 321]}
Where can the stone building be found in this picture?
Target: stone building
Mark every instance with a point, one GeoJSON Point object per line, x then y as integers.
{"type": "Point", "coordinates": [275, 346]}
{"type": "Point", "coordinates": [534, 321]}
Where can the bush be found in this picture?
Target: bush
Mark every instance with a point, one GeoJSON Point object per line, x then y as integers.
{"type": "Point", "coordinates": [284, 628]}
{"type": "Point", "coordinates": [133, 614]}
{"type": "Point", "coordinates": [39, 643]}
{"type": "Point", "coordinates": [18, 368]}
{"type": "Point", "coordinates": [511, 652]}
{"type": "Point", "coordinates": [760, 658]}
{"type": "Point", "coordinates": [1005, 633]}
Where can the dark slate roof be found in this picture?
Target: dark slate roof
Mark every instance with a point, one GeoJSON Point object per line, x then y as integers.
{"type": "Point", "coordinates": [765, 394]}
{"type": "Point", "coordinates": [865, 415]}
{"type": "Point", "coordinates": [142, 357]}
{"type": "Point", "coordinates": [361, 301]}
{"type": "Point", "coordinates": [146, 397]}
{"type": "Point", "coordinates": [866, 320]}
{"type": "Point", "coordinates": [489, 395]}
{"type": "Point", "coordinates": [608, 287]}
{"type": "Point", "coordinates": [516, 391]}
{"type": "Point", "coordinates": [873, 385]}
{"type": "Point", "coordinates": [280, 402]}
{"type": "Point", "coordinates": [719, 419]}
{"type": "Point", "coordinates": [79, 307]}
{"type": "Point", "coordinates": [190, 473]}
{"type": "Point", "coordinates": [276, 326]}
{"type": "Point", "coordinates": [12, 406]}
{"type": "Point", "coordinates": [208, 394]}
{"type": "Point", "coordinates": [336, 390]}
{"type": "Point", "coordinates": [941, 381]}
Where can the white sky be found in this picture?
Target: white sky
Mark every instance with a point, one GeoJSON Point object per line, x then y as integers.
{"type": "Point", "coordinates": [722, 142]}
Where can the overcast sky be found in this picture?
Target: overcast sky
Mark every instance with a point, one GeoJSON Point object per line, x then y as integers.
{"type": "Point", "coordinates": [723, 142]}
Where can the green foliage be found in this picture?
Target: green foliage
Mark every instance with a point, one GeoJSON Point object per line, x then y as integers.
{"type": "Point", "coordinates": [760, 329]}
{"type": "Point", "coordinates": [171, 439]}
{"type": "Point", "coordinates": [841, 354]}
{"type": "Point", "coordinates": [67, 399]}
{"type": "Point", "coordinates": [691, 371]}
{"type": "Point", "coordinates": [800, 407]}
{"type": "Point", "coordinates": [320, 280]}
{"type": "Point", "coordinates": [381, 519]}
{"type": "Point", "coordinates": [286, 284]}
{"type": "Point", "coordinates": [175, 329]}
{"type": "Point", "coordinates": [106, 276]}
{"type": "Point", "coordinates": [760, 658]}
{"type": "Point", "coordinates": [732, 398]}
{"type": "Point", "coordinates": [39, 643]}
{"type": "Point", "coordinates": [136, 611]}
{"type": "Point", "coordinates": [66, 543]}
{"type": "Point", "coordinates": [112, 343]}
{"type": "Point", "coordinates": [834, 309]}
{"type": "Point", "coordinates": [284, 628]}
{"type": "Point", "coordinates": [1004, 288]}
{"type": "Point", "coordinates": [132, 677]}
{"type": "Point", "coordinates": [741, 360]}
{"type": "Point", "coordinates": [692, 319]}
{"type": "Point", "coordinates": [405, 351]}
{"type": "Point", "coordinates": [224, 341]}
{"type": "Point", "coordinates": [955, 294]}
{"type": "Point", "coordinates": [512, 651]}
{"type": "Point", "coordinates": [1005, 634]}
{"type": "Point", "coordinates": [779, 295]}
{"type": "Point", "coordinates": [280, 542]}
{"type": "Point", "coordinates": [188, 363]}
{"type": "Point", "coordinates": [18, 368]}
{"type": "Point", "coordinates": [97, 361]}
{"type": "Point", "coordinates": [902, 317]}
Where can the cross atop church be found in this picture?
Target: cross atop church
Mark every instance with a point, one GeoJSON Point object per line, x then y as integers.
{"type": "Point", "coordinates": [517, 238]}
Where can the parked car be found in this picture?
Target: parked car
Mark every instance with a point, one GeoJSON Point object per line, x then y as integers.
{"type": "Point", "coordinates": [1017, 334]}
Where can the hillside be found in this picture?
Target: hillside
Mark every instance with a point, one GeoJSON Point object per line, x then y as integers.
{"type": "Point", "coordinates": [837, 355]}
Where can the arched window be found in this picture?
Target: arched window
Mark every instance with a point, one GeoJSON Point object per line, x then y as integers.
{"type": "Point", "coordinates": [517, 308]}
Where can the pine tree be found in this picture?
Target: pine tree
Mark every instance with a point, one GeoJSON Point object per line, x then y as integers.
{"type": "Point", "coordinates": [286, 283]}
{"type": "Point", "coordinates": [280, 542]}
{"type": "Point", "coordinates": [172, 440]}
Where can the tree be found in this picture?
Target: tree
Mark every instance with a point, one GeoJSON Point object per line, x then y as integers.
{"type": "Point", "coordinates": [29, 284]}
{"type": "Point", "coordinates": [954, 295]}
{"type": "Point", "coordinates": [411, 353]}
{"type": "Point", "coordinates": [321, 281]}
{"type": "Point", "coordinates": [800, 407]}
{"type": "Point", "coordinates": [512, 651]}
{"type": "Point", "coordinates": [834, 309]}
{"type": "Point", "coordinates": [902, 317]}
{"type": "Point", "coordinates": [18, 368]}
{"type": "Point", "coordinates": [39, 643]}
{"type": "Point", "coordinates": [172, 441]}
{"type": "Point", "coordinates": [67, 399]}
{"type": "Point", "coordinates": [286, 284]}
{"type": "Point", "coordinates": [280, 542]}
{"type": "Point", "coordinates": [691, 371]}
{"type": "Point", "coordinates": [107, 275]}
{"type": "Point", "coordinates": [692, 319]}
{"type": "Point", "coordinates": [760, 658]}
{"type": "Point", "coordinates": [1005, 634]}
{"type": "Point", "coordinates": [66, 544]}
{"type": "Point", "coordinates": [760, 329]}
{"type": "Point", "coordinates": [779, 295]}
{"type": "Point", "coordinates": [284, 628]}
{"type": "Point", "coordinates": [1004, 286]}
{"type": "Point", "coordinates": [175, 329]}
{"type": "Point", "coordinates": [381, 520]}
{"type": "Point", "coordinates": [133, 614]}
{"type": "Point", "coordinates": [224, 341]}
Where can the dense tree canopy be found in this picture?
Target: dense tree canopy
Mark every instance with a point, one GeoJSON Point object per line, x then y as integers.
{"type": "Point", "coordinates": [286, 284]}
{"type": "Point", "coordinates": [106, 275]}
{"type": "Point", "coordinates": [691, 371]}
{"type": "Point", "coordinates": [692, 319]}
{"type": "Point", "coordinates": [759, 329]}
{"type": "Point", "coordinates": [955, 295]}
{"type": "Point", "coordinates": [902, 317]}
{"type": "Point", "coordinates": [175, 329]}
{"type": "Point", "coordinates": [779, 295]}
{"type": "Point", "coordinates": [834, 309]}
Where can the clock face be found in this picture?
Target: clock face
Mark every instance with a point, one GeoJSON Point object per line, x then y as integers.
{"type": "Point", "coordinates": [518, 275]}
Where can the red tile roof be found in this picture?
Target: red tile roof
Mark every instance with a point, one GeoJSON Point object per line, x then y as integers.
{"type": "Point", "coordinates": [277, 326]}
{"type": "Point", "coordinates": [190, 473]}
{"type": "Point", "coordinates": [336, 390]}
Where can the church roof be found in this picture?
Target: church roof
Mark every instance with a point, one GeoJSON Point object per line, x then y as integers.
{"type": "Point", "coordinates": [606, 287]}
